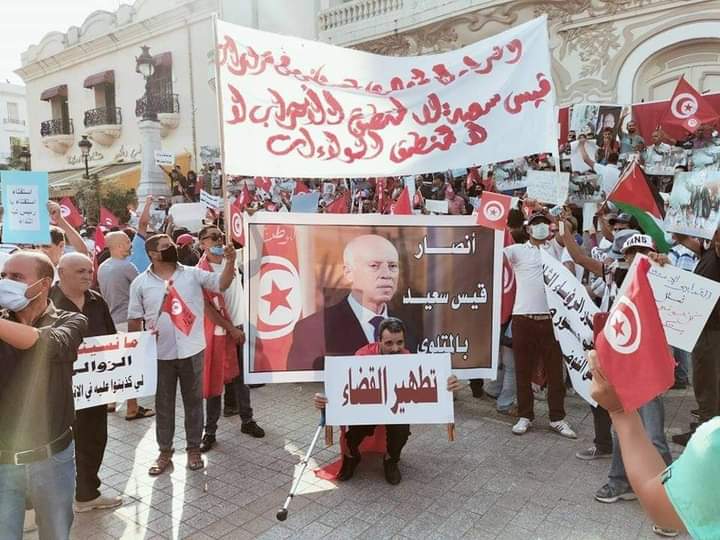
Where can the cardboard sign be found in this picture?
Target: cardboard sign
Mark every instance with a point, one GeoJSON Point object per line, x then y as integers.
{"type": "Point", "coordinates": [164, 159]}
{"type": "Point", "coordinates": [548, 186]}
{"type": "Point", "coordinates": [388, 389]}
{"type": "Point", "coordinates": [26, 219]}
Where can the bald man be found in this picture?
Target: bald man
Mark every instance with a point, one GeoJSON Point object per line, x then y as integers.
{"type": "Point", "coordinates": [371, 269]}
{"type": "Point", "coordinates": [38, 345]}
{"type": "Point", "coordinates": [114, 278]}
{"type": "Point", "coordinates": [73, 293]}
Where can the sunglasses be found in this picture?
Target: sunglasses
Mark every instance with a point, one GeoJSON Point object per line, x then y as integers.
{"type": "Point", "coordinates": [214, 237]}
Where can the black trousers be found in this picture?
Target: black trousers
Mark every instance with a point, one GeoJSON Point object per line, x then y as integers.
{"type": "Point", "coordinates": [90, 430]}
{"type": "Point", "coordinates": [603, 437]}
{"type": "Point", "coordinates": [396, 435]}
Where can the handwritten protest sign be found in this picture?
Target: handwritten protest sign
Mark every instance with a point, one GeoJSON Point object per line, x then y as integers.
{"type": "Point", "coordinates": [436, 207]}
{"type": "Point", "coordinates": [26, 219]}
{"type": "Point", "coordinates": [548, 186]}
{"type": "Point", "coordinates": [572, 311]}
{"type": "Point", "coordinates": [388, 389]}
{"type": "Point", "coordinates": [115, 368]}
{"type": "Point", "coordinates": [307, 109]}
{"type": "Point", "coordinates": [684, 300]}
{"type": "Point", "coordinates": [166, 159]}
{"type": "Point", "coordinates": [210, 201]}
{"type": "Point", "coordinates": [189, 215]}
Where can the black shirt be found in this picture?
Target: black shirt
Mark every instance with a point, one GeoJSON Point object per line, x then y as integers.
{"type": "Point", "coordinates": [36, 398]}
{"type": "Point", "coordinates": [709, 267]}
{"type": "Point", "coordinates": [100, 322]}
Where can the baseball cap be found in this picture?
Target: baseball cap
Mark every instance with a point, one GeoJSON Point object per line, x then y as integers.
{"type": "Point", "coordinates": [185, 239]}
{"type": "Point", "coordinates": [616, 252]}
{"type": "Point", "coordinates": [639, 241]}
{"type": "Point", "coordinates": [620, 218]}
{"type": "Point", "coordinates": [538, 216]}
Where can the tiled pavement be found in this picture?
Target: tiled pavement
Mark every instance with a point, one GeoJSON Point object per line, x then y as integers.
{"type": "Point", "coordinates": [487, 484]}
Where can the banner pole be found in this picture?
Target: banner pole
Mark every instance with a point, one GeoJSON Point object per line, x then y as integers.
{"type": "Point", "coordinates": [221, 133]}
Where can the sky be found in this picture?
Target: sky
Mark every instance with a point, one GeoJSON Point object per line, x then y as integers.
{"type": "Point", "coordinates": [25, 22]}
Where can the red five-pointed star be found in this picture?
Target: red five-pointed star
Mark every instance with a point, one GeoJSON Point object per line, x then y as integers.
{"type": "Point", "coordinates": [277, 297]}
{"type": "Point", "coordinates": [618, 326]}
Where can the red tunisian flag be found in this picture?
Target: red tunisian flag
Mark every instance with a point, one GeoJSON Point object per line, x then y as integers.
{"type": "Point", "coordinates": [279, 304]}
{"type": "Point", "coordinates": [402, 206]}
{"type": "Point", "coordinates": [494, 210]}
{"type": "Point", "coordinates": [300, 187]}
{"type": "Point", "coordinates": [339, 205]}
{"type": "Point", "coordinates": [70, 213]}
{"type": "Point", "coordinates": [179, 312]}
{"type": "Point", "coordinates": [236, 221]}
{"type": "Point", "coordinates": [688, 109]}
{"type": "Point", "coordinates": [108, 219]}
{"type": "Point", "coordinates": [509, 285]}
{"type": "Point", "coordinates": [632, 349]}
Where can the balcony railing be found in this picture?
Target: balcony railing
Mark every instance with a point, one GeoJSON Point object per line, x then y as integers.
{"type": "Point", "coordinates": [356, 11]}
{"type": "Point", "coordinates": [57, 126]}
{"type": "Point", "coordinates": [162, 103]}
{"type": "Point", "coordinates": [103, 116]}
{"type": "Point", "coordinates": [15, 121]}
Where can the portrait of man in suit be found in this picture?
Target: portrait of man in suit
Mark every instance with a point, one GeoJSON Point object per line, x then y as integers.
{"type": "Point", "coordinates": [371, 268]}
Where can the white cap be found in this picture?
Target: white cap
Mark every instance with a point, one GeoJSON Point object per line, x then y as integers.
{"type": "Point", "coordinates": [639, 241]}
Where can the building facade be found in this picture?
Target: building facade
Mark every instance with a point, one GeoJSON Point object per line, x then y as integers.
{"type": "Point", "coordinates": [604, 51]}
{"type": "Point", "coordinates": [13, 121]}
{"type": "Point", "coordinates": [83, 82]}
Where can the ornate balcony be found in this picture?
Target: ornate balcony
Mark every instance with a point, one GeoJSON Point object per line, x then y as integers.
{"type": "Point", "coordinates": [57, 134]}
{"type": "Point", "coordinates": [356, 12]}
{"type": "Point", "coordinates": [104, 124]}
{"type": "Point", "coordinates": [167, 107]}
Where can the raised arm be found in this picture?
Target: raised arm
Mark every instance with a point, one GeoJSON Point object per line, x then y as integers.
{"type": "Point", "coordinates": [73, 237]}
{"type": "Point", "coordinates": [144, 220]}
{"type": "Point", "coordinates": [577, 253]}
{"type": "Point", "coordinates": [583, 153]}
{"type": "Point", "coordinates": [20, 336]}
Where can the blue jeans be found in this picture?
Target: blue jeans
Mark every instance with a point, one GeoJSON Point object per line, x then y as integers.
{"type": "Point", "coordinates": [653, 418]}
{"type": "Point", "coordinates": [682, 358]}
{"type": "Point", "coordinates": [504, 385]}
{"type": "Point", "coordinates": [50, 486]}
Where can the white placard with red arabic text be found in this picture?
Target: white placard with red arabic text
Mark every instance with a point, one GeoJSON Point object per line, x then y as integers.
{"type": "Point", "coordinates": [305, 109]}
{"type": "Point", "coordinates": [388, 389]}
{"type": "Point", "coordinates": [115, 368]}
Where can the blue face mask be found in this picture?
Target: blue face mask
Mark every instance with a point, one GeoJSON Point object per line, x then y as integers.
{"type": "Point", "coordinates": [218, 251]}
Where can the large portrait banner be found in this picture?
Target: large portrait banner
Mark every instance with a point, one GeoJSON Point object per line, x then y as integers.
{"type": "Point", "coordinates": [317, 286]}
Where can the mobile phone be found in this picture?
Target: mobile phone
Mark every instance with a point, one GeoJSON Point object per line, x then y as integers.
{"type": "Point", "coordinates": [561, 228]}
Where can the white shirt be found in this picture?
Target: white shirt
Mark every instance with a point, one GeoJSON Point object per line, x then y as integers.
{"type": "Point", "coordinates": [609, 176]}
{"type": "Point", "coordinates": [526, 262]}
{"type": "Point", "coordinates": [364, 315]}
{"type": "Point", "coordinates": [233, 297]}
{"type": "Point", "coordinates": [566, 257]}
{"type": "Point", "coordinates": [146, 296]}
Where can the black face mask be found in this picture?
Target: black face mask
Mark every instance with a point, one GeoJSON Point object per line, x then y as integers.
{"type": "Point", "coordinates": [169, 254]}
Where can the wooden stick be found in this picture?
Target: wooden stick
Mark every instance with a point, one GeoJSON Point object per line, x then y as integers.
{"type": "Point", "coordinates": [451, 432]}
{"type": "Point", "coordinates": [328, 436]}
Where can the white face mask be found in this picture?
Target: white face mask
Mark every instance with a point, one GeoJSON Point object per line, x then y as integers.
{"type": "Point", "coordinates": [540, 231]}
{"type": "Point", "coordinates": [12, 295]}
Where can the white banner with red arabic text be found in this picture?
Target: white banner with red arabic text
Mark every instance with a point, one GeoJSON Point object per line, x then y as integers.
{"type": "Point", "coordinates": [115, 368]}
{"type": "Point", "coordinates": [388, 389]}
{"type": "Point", "coordinates": [298, 108]}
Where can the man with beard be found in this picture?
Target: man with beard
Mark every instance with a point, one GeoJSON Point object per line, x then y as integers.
{"type": "Point", "coordinates": [391, 340]}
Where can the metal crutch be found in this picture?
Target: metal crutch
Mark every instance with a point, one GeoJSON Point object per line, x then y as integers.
{"type": "Point", "coordinates": [282, 514]}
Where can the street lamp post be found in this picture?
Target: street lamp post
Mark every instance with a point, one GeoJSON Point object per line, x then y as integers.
{"type": "Point", "coordinates": [25, 157]}
{"type": "Point", "coordinates": [85, 146]}
{"type": "Point", "coordinates": [152, 179]}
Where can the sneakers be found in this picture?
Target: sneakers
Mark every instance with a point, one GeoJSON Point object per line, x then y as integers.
{"type": "Point", "coordinates": [609, 494]}
{"type": "Point", "coordinates": [392, 473]}
{"type": "Point", "coordinates": [522, 426]}
{"type": "Point", "coordinates": [100, 502]}
{"type": "Point", "coordinates": [208, 441]}
{"type": "Point", "coordinates": [251, 428]}
{"type": "Point", "coordinates": [30, 523]}
{"type": "Point", "coordinates": [592, 453]}
{"type": "Point", "coordinates": [667, 533]}
{"type": "Point", "coordinates": [563, 428]}
{"type": "Point", "coordinates": [349, 464]}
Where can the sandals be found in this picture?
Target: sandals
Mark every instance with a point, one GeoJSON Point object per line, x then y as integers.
{"type": "Point", "coordinates": [163, 461]}
{"type": "Point", "coordinates": [194, 460]}
{"type": "Point", "coordinates": [142, 412]}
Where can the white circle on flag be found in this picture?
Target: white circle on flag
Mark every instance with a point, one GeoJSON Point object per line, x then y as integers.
{"type": "Point", "coordinates": [684, 106]}
{"type": "Point", "coordinates": [279, 275]}
{"type": "Point", "coordinates": [237, 225]}
{"type": "Point", "coordinates": [623, 329]}
{"type": "Point", "coordinates": [692, 122]}
{"type": "Point", "coordinates": [64, 211]}
{"type": "Point", "coordinates": [176, 307]}
{"type": "Point", "coordinates": [493, 211]}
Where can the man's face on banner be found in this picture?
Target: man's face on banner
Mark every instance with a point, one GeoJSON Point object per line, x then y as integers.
{"type": "Point", "coordinates": [392, 342]}
{"type": "Point", "coordinates": [371, 266]}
